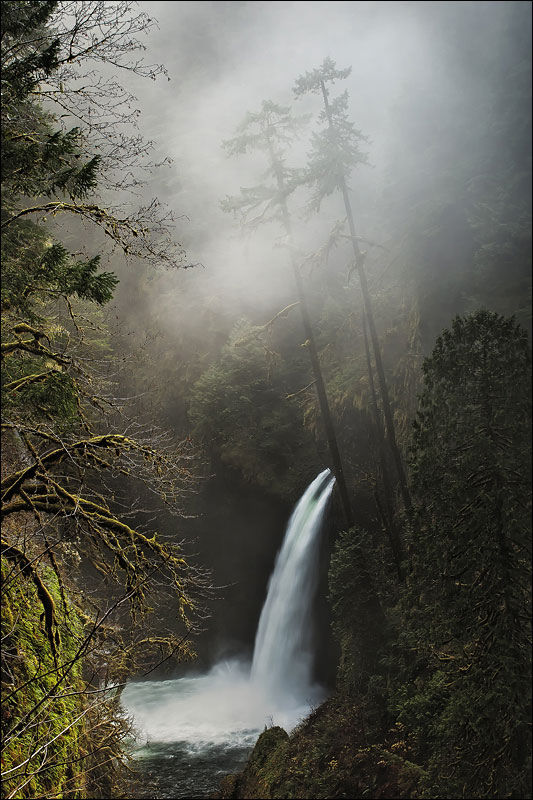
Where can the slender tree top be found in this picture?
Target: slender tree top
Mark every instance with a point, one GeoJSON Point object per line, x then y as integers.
{"type": "Point", "coordinates": [270, 130]}
{"type": "Point", "coordinates": [335, 149]}
{"type": "Point", "coordinates": [313, 81]}
{"type": "Point", "coordinates": [272, 125]}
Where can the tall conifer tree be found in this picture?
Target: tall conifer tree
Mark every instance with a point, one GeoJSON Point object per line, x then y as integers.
{"type": "Point", "coordinates": [270, 130]}
{"type": "Point", "coordinates": [335, 152]}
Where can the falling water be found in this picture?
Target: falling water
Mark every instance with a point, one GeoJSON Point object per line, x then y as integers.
{"type": "Point", "coordinates": [283, 658]}
{"type": "Point", "coordinates": [192, 730]}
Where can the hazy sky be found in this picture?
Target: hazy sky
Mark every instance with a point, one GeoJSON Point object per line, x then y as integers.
{"type": "Point", "coordinates": [413, 64]}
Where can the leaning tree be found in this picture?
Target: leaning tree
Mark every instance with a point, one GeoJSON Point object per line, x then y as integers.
{"type": "Point", "coordinates": [270, 131]}
{"type": "Point", "coordinates": [335, 152]}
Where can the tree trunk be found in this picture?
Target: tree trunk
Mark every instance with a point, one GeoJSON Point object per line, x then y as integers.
{"type": "Point", "coordinates": [323, 399]}
{"type": "Point", "coordinates": [359, 263]}
{"type": "Point", "coordinates": [329, 429]}
{"type": "Point", "coordinates": [387, 514]}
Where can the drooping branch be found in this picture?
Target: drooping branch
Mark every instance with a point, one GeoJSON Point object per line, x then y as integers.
{"type": "Point", "coordinates": [18, 558]}
{"type": "Point", "coordinates": [144, 234]}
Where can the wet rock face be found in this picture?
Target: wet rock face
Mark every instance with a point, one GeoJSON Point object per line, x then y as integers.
{"type": "Point", "coordinates": [251, 783]}
{"type": "Point", "coordinates": [228, 788]}
{"type": "Point", "coordinates": [328, 756]}
{"type": "Point", "coordinates": [268, 741]}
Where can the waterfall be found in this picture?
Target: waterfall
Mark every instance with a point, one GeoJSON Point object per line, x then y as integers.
{"type": "Point", "coordinates": [219, 713]}
{"type": "Point", "coordinates": [283, 659]}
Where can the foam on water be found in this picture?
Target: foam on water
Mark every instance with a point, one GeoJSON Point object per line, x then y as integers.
{"type": "Point", "coordinates": [221, 707]}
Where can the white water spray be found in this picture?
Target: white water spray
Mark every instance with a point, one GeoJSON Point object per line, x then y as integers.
{"type": "Point", "coordinates": [230, 705]}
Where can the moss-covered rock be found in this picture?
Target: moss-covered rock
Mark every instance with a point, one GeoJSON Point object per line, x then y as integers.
{"type": "Point", "coordinates": [269, 740]}
{"type": "Point", "coordinates": [42, 710]}
{"type": "Point", "coordinates": [259, 775]}
{"type": "Point", "coordinates": [327, 756]}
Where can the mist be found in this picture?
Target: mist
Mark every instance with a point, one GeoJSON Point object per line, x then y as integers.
{"type": "Point", "coordinates": [415, 68]}
{"type": "Point", "coordinates": [266, 310]}
{"type": "Point", "coordinates": [425, 78]}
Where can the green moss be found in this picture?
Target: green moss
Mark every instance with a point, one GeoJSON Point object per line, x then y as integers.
{"type": "Point", "coordinates": [39, 691]}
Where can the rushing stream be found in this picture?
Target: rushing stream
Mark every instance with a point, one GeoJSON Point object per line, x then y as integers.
{"type": "Point", "coordinates": [194, 730]}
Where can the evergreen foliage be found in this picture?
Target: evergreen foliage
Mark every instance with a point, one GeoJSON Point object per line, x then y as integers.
{"type": "Point", "coordinates": [461, 224]}
{"type": "Point", "coordinates": [357, 620]}
{"type": "Point", "coordinates": [500, 190]}
{"type": "Point", "coordinates": [435, 695]}
{"type": "Point", "coordinates": [334, 155]}
{"type": "Point", "coordinates": [38, 270]}
{"type": "Point", "coordinates": [336, 149]}
{"type": "Point", "coordinates": [67, 451]}
{"type": "Point", "coordinates": [468, 607]}
{"type": "Point", "coordinates": [238, 408]}
{"type": "Point", "coordinates": [31, 53]}
{"type": "Point", "coordinates": [270, 130]}
{"type": "Point", "coordinates": [433, 681]}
